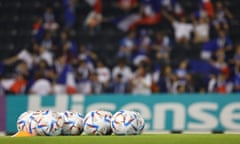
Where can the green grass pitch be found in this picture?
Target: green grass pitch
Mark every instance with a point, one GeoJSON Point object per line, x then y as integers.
{"type": "Point", "coordinates": [140, 139]}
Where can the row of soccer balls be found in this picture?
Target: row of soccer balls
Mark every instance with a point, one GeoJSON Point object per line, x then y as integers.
{"type": "Point", "coordinates": [98, 122]}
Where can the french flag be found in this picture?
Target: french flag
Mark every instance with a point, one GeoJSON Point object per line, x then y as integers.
{"type": "Point", "coordinates": [124, 23]}
{"type": "Point", "coordinates": [15, 86]}
{"type": "Point", "coordinates": [96, 5]}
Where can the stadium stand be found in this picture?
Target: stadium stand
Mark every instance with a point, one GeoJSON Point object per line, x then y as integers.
{"type": "Point", "coordinates": [75, 44]}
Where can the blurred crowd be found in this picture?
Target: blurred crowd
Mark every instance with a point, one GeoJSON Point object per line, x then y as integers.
{"type": "Point", "coordinates": [194, 53]}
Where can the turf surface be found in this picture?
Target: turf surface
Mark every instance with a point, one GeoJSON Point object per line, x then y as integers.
{"type": "Point", "coordinates": [141, 139]}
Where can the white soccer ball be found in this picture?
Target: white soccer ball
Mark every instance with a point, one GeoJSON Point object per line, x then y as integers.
{"type": "Point", "coordinates": [73, 123]}
{"type": "Point", "coordinates": [50, 123]}
{"type": "Point", "coordinates": [23, 121]}
{"type": "Point", "coordinates": [126, 122]}
{"type": "Point", "coordinates": [26, 122]}
{"type": "Point", "coordinates": [97, 123]}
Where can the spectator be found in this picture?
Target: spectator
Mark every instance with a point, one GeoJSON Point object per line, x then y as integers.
{"type": "Point", "coordinates": [127, 45]}
{"type": "Point", "coordinates": [122, 69]}
{"type": "Point", "coordinates": [67, 45]}
{"type": "Point", "coordinates": [118, 85]}
{"type": "Point", "coordinates": [221, 17]}
{"type": "Point", "coordinates": [69, 12]}
{"type": "Point", "coordinates": [201, 30]}
{"type": "Point", "coordinates": [222, 41]}
{"type": "Point", "coordinates": [182, 29]}
{"type": "Point", "coordinates": [93, 21]}
{"type": "Point", "coordinates": [103, 73]}
{"type": "Point", "coordinates": [162, 48]}
{"type": "Point", "coordinates": [61, 70]}
{"type": "Point", "coordinates": [50, 20]}
{"type": "Point", "coordinates": [41, 86]}
{"type": "Point", "coordinates": [87, 55]}
{"type": "Point", "coordinates": [96, 86]}
{"type": "Point", "coordinates": [182, 72]}
{"type": "Point", "coordinates": [219, 84]}
{"type": "Point", "coordinates": [47, 41]}
{"type": "Point", "coordinates": [83, 84]}
{"type": "Point", "coordinates": [165, 81]}
{"type": "Point", "coordinates": [220, 63]}
{"type": "Point", "coordinates": [141, 81]}
{"type": "Point", "coordinates": [42, 53]}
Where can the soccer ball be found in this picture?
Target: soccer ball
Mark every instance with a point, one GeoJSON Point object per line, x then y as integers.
{"type": "Point", "coordinates": [73, 123]}
{"type": "Point", "coordinates": [23, 121]}
{"type": "Point", "coordinates": [49, 124]}
{"type": "Point", "coordinates": [97, 123]}
{"type": "Point", "coordinates": [26, 122]}
{"type": "Point", "coordinates": [126, 122]}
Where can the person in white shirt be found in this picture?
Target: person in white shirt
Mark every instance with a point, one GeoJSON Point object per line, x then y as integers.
{"type": "Point", "coordinates": [141, 82]}
{"type": "Point", "coordinates": [182, 29]}
{"type": "Point", "coordinates": [201, 30]}
{"type": "Point", "coordinates": [103, 72]}
{"type": "Point", "coordinates": [122, 69]}
{"type": "Point", "coordinates": [41, 86]}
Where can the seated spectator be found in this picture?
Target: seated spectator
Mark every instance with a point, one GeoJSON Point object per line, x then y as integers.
{"type": "Point", "coordinates": [144, 42]}
{"type": "Point", "coordinates": [47, 41]}
{"type": "Point", "coordinates": [83, 84]}
{"type": "Point", "coordinates": [219, 84]}
{"type": "Point", "coordinates": [96, 86]}
{"type": "Point", "coordinates": [67, 45]}
{"type": "Point", "coordinates": [141, 82]}
{"type": "Point", "coordinates": [50, 20]}
{"type": "Point", "coordinates": [61, 69]}
{"type": "Point", "coordinates": [41, 85]}
{"type": "Point", "coordinates": [84, 68]}
{"type": "Point", "coordinates": [220, 63]}
{"type": "Point", "coordinates": [165, 81]}
{"type": "Point", "coordinates": [123, 69]}
{"type": "Point", "coordinates": [162, 48]}
{"type": "Point", "coordinates": [222, 41]}
{"type": "Point", "coordinates": [118, 85]}
{"type": "Point", "coordinates": [182, 71]}
{"type": "Point", "coordinates": [103, 73]}
{"type": "Point", "coordinates": [182, 29]}
{"type": "Point", "coordinates": [127, 45]}
{"type": "Point", "coordinates": [87, 55]}
{"type": "Point", "coordinates": [42, 66]}
{"type": "Point", "coordinates": [222, 16]}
